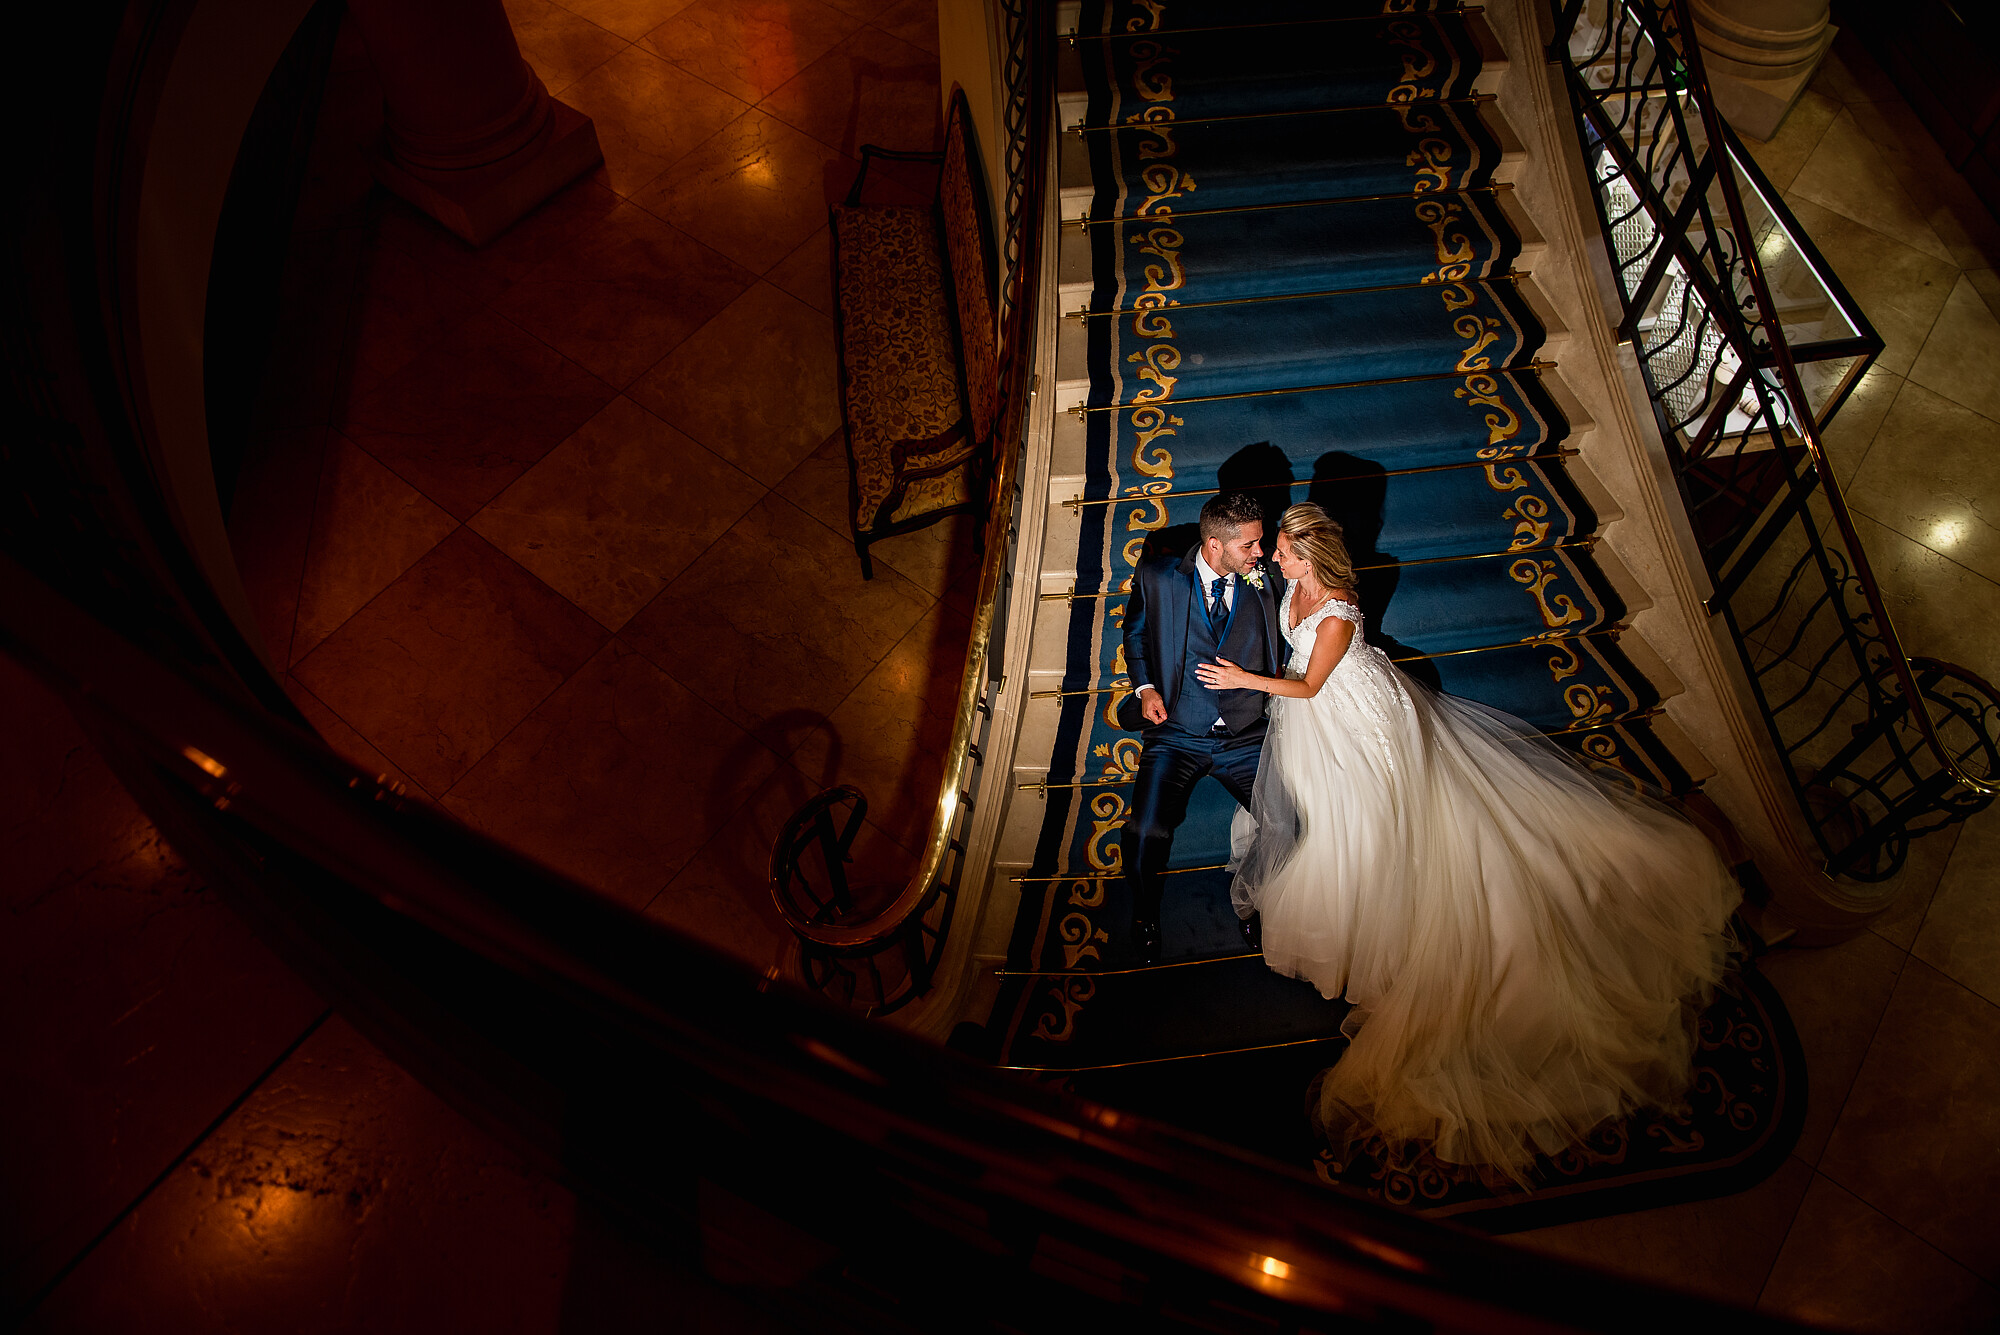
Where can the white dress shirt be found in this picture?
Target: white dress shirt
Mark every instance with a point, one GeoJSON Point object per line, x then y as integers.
{"type": "Point", "coordinates": [1206, 574]}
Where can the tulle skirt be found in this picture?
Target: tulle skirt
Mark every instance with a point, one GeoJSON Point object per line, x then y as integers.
{"type": "Point", "coordinates": [1526, 945]}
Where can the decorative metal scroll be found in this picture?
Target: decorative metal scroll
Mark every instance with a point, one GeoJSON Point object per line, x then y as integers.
{"type": "Point", "coordinates": [1748, 345]}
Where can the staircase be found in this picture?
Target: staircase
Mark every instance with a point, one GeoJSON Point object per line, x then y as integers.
{"type": "Point", "coordinates": [1292, 261]}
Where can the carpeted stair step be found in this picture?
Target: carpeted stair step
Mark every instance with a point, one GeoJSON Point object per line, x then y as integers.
{"type": "Point", "coordinates": [1334, 435]}
{"type": "Point", "coordinates": [1326, 155]}
{"type": "Point", "coordinates": [1393, 518]}
{"type": "Point", "coordinates": [1134, 16]}
{"type": "Point", "coordinates": [1089, 920]}
{"type": "Point", "coordinates": [1173, 1011]}
{"type": "Point", "coordinates": [1286, 67]}
{"type": "Point", "coordinates": [1256, 347]}
{"type": "Point", "coordinates": [1555, 686]}
{"type": "Point", "coordinates": [1290, 249]}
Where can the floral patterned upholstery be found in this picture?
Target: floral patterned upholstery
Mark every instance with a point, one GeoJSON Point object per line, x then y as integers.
{"type": "Point", "coordinates": [915, 311]}
{"type": "Point", "coordinates": [900, 377]}
{"type": "Point", "coordinates": [968, 242]}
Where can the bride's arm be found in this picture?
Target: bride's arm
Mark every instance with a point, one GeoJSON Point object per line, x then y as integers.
{"type": "Point", "coordinates": [1329, 647]}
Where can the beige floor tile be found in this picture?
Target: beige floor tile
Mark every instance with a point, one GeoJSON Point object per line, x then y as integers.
{"type": "Point", "coordinates": [895, 728]}
{"type": "Point", "coordinates": [807, 273]}
{"type": "Point", "coordinates": [445, 661]}
{"type": "Point", "coordinates": [560, 222]}
{"type": "Point", "coordinates": [820, 483]}
{"type": "Point", "coordinates": [1915, 886]}
{"type": "Point", "coordinates": [649, 114]}
{"type": "Point", "coordinates": [269, 525]}
{"type": "Point", "coordinates": [616, 511]}
{"type": "Point", "coordinates": [1955, 212]}
{"type": "Point", "coordinates": [630, 19]}
{"type": "Point", "coordinates": [1961, 359]}
{"type": "Point", "coordinates": [1941, 608]}
{"type": "Point", "coordinates": [1848, 74]}
{"type": "Point", "coordinates": [1854, 428]}
{"type": "Point", "coordinates": [1961, 934]}
{"type": "Point", "coordinates": [1846, 174]}
{"type": "Point", "coordinates": [1932, 470]}
{"type": "Point", "coordinates": [1836, 996]}
{"type": "Point", "coordinates": [344, 741]}
{"type": "Point", "coordinates": [915, 21]}
{"type": "Point", "coordinates": [560, 45]}
{"type": "Point", "coordinates": [470, 415]}
{"type": "Point", "coordinates": [755, 191]}
{"type": "Point", "coordinates": [1899, 289]}
{"type": "Point", "coordinates": [755, 385]}
{"type": "Point", "coordinates": [1720, 1248]}
{"type": "Point", "coordinates": [1850, 1267]}
{"type": "Point", "coordinates": [626, 295]}
{"type": "Point", "coordinates": [871, 89]}
{"type": "Point", "coordinates": [773, 624]}
{"type": "Point", "coordinates": [616, 779]}
{"type": "Point", "coordinates": [368, 527]}
{"type": "Point", "coordinates": [1986, 282]}
{"type": "Point", "coordinates": [403, 308]}
{"type": "Point", "coordinates": [750, 47]}
{"type": "Point", "coordinates": [1919, 1138]}
{"type": "Point", "coordinates": [1781, 156]}
{"type": "Point", "coordinates": [937, 559]}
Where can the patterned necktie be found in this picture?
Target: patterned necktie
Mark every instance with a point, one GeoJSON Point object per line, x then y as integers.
{"type": "Point", "coordinates": [1218, 611]}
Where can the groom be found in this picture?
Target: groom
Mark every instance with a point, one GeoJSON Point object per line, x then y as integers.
{"type": "Point", "coordinates": [1219, 600]}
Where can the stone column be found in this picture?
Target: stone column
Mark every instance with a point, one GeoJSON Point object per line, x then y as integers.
{"type": "Point", "coordinates": [474, 139]}
{"type": "Point", "coordinates": [1759, 55]}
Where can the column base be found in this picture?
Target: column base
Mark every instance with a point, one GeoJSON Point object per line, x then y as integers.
{"type": "Point", "coordinates": [1755, 103]}
{"type": "Point", "coordinates": [479, 203]}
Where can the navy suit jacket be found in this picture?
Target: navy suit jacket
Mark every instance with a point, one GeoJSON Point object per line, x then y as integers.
{"type": "Point", "coordinates": [1156, 621]}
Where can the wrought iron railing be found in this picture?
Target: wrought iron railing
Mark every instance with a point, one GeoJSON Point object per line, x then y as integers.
{"type": "Point", "coordinates": [879, 956]}
{"type": "Point", "coordinates": [1748, 346]}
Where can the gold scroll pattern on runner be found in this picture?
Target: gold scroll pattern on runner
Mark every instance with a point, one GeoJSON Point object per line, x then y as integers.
{"type": "Point", "coordinates": [1155, 357]}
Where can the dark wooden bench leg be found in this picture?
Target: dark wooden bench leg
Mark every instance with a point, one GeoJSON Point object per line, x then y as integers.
{"type": "Point", "coordinates": [861, 550]}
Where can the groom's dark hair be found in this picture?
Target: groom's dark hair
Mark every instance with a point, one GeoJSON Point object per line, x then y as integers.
{"type": "Point", "coordinates": [1230, 511]}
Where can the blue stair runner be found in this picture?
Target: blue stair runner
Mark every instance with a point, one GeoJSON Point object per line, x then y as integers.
{"type": "Point", "coordinates": [1302, 286]}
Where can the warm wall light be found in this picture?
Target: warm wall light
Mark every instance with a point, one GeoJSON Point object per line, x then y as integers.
{"type": "Point", "coordinates": [1272, 1266]}
{"type": "Point", "coordinates": [208, 764]}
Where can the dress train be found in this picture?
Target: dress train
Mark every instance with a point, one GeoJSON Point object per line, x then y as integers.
{"type": "Point", "coordinates": [1527, 945]}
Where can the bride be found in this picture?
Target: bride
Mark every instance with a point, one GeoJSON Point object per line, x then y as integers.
{"type": "Point", "coordinates": [1528, 945]}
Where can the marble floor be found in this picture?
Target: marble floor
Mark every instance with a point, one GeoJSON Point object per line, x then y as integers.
{"type": "Point", "coordinates": [1883, 1217]}
{"type": "Point", "coordinates": [529, 514]}
{"type": "Point", "coordinates": [554, 532]}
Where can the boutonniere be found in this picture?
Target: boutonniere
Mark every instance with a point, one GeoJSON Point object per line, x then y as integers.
{"type": "Point", "coordinates": [1254, 577]}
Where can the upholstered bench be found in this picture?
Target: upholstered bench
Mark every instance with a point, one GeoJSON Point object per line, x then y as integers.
{"type": "Point", "coordinates": [914, 289]}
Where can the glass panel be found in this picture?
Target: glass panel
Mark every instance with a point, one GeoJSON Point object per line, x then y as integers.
{"type": "Point", "coordinates": [1812, 309]}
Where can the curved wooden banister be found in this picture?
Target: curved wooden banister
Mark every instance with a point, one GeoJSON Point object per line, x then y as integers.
{"type": "Point", "coordinates": [1031, 105]}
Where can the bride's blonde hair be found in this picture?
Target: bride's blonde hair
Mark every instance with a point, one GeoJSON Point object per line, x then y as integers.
{"type": "Point", "coordinates": [1319, 540]}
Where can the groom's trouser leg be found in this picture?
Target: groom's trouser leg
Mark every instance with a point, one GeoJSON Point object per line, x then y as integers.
{"type": "Point", "coordinates": [1234, 764]}
{"type": "Point", "coordinates": [1169, 765]}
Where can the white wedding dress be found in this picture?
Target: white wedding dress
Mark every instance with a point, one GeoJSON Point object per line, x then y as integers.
{"type": "Point", "coordinates": [1526, 946]}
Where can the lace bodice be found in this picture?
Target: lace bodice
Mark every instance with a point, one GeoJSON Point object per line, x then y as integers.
{"type": "Point", "coordinates": [1302, 636]}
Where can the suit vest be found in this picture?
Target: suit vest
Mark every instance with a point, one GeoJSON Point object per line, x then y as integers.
{"type": "Point", "coordinates": [1196, 707]}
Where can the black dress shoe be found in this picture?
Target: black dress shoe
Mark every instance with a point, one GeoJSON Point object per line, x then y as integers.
{"type": "Point", "coordinates": [1146, 936]}
{"type": "Point", "coordinates": [1252, 928]}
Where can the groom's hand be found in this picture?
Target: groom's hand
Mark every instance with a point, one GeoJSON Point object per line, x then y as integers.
{"type": "Point", "coordinates": [1151, 707]}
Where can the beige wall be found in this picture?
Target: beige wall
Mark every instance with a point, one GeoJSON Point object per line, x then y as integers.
{"type": "Point", "coordinates": [972, 36]}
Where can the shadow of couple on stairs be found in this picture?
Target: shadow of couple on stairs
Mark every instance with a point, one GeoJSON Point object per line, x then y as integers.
{"type": "Point", "coordinates": [1352, 490]}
